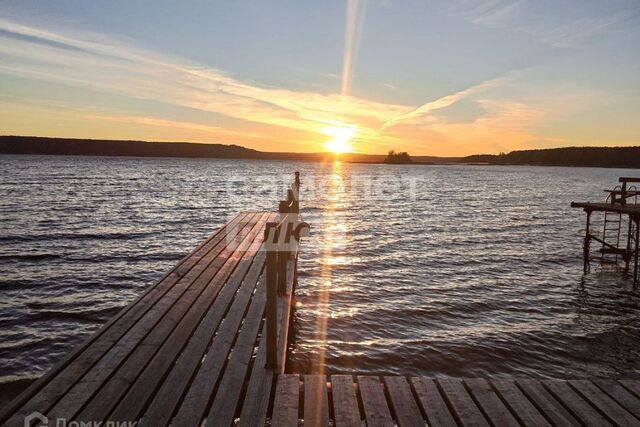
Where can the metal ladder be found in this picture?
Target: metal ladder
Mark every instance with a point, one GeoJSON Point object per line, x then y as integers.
{"type": "Point", "coordinates": [610, 250]}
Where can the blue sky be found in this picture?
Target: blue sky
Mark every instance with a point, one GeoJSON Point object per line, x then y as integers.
{"type": "Point", "coordinates": [430, 77]}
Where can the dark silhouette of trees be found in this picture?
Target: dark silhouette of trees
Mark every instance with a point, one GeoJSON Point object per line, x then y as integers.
{"type": "Point", "coordinates": [83, 147]}
{"type": "Point", "coordinates": [623, 157]}
{"type": "Point", "coordinates": [398, 158]}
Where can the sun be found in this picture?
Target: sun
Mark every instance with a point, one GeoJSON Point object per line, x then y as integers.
{"type": "Point", "coordinates": [340, 137]}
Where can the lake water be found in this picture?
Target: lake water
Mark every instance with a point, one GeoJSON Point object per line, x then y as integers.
{"type": "Point", "coordinates": [434, 270]}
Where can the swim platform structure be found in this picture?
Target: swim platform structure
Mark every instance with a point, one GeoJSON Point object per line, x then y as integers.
{"type": "Point", "coordinates": [207, 344]}
{"type": "Point", "coordinates": [620, 228]}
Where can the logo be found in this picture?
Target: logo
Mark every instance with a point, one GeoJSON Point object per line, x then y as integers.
{"type": "Point", "coordinates": [35, 418]}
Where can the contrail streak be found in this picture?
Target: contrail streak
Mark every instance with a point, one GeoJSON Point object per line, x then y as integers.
{"type": "Point", "coordinates": [443, 102]}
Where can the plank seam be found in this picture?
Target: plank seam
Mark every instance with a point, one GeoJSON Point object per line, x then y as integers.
{"type": "Point", "coordinates": [506, 403]}
{"type": "Point", "coordinates": [629, 389]}
{"type": "Point", "coordinates": [449, 404]}
{"type": "Point", "coordinates": [597, 407]}
{"type": "Point", "coordinates": [565, 405]}
{"type": "Point", "coordinates": [605, 391]}
{"type": "Point", "coordinates": [416, 398]}
{"type": "Point", "coordinates": [477, 403]}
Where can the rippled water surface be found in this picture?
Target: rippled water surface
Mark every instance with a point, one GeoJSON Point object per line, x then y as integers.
{"type": "Point", "coordinates": [437, 270]}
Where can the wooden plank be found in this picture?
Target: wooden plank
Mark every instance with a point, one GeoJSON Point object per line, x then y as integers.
{"type": "Point", "coordinates": [58, 384]}
{"type": "Point", "coordinates": [553, 410]}
{"type": "Point", "coordinates": [432, 403]}
{"type": "Point", "coordinates": [144, 339]}
{"type": "Point", "coordinates": [136, 399]}
{"type": "Point", "coordinates": [490, 403]}
{"type": "Point", "coordinates": [621, 395]}
{"type": "Point", "coordinates": [316, 401]}
{"type": "Point", "coordinates": [374, 402]}
{"type": "Point", "coordinates": [521, 407]}
{"type": "Point", "coordinates": [345, 402]}
{"type": "Point", "coordinates": [256, 401]}
{"type": "Point", "coordinates": [632, 385]}
{"type": "Point", "coordinates": [195, 403]}
{"type": "Point", "coordinates": [286, 402]}
{"type": "Point", "coordinates": [611, 410]}
{"type": "Point", "coordinates": [463, 407]}
{"type": "Point", "coordinates": [403, 403]}
{"type": "Point", "coordinates": [578, 407]}
{"type": "Point", "coordinates": [167, 398]}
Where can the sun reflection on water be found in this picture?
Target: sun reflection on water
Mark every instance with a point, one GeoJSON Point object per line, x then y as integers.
{"type": "Point", "coordinates": [333, 241]}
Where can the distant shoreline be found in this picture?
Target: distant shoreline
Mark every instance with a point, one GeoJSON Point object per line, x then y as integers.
{"type": "Point", "coordinates": [112, 148]}
{"type": "Point", "coordinates": [605, 157]}
{"type": "Point", "coordinates": [318, 161]}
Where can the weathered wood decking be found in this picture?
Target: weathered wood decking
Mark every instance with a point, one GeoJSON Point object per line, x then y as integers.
{"type": "Point", "coordinates": [192, 349]}
{"type": "Point", "coordinates": [187, 349]}
{"type": "Point", "coordinates": [353, 401]}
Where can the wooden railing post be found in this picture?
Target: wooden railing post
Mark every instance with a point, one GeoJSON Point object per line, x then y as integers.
{"type": "Point", "coordinates": [587, 242]}
{"type": "Point", "coordinates": [636, 282]}
{"type": "Point", "coordinates": [270, 238]}
{"type": "Point", "coordinates": [280, 237]}
{"type": "Point", "coordinates": [296, 193]}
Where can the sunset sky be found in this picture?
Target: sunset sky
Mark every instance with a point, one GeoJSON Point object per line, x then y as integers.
{"type": "Point", "coordinates": [429, 77]}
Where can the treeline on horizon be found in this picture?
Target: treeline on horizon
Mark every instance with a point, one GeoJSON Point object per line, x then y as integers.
{"type": "Point", "coordinates": [624, 157]}
{"type": "Point", "coordinates": [11, 144]}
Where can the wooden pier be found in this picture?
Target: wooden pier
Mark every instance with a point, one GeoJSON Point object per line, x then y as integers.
{"type": "Point", "coordinates": [620, 235]}
{"type": "Point", "coordinates": [354, 401]}
{"type": "Point", "coordinates": [207, 344]}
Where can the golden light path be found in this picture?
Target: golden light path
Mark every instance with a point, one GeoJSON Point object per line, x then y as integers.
{"type": "Point", "coordinates": [333, 237]}
{"type": "Point", "coordinates": [341, 135]}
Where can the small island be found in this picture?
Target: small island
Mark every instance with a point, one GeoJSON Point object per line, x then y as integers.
{"type": "Point", "coordinates": [401, 158]}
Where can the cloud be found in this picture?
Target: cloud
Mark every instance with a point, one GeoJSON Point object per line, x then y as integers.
{"type": "Point", "coordinates": [443, 102]}
{"type": "Point", "coordinates": [557, 30]}
{"type": "Point", "coordinates": [493, 13]}
{"type": "Point", "coordinates": [173, 124]}
{"type": "Point", "coordinates": [580, 32]}
{"type": "Point", "coordinates": [505, 126]}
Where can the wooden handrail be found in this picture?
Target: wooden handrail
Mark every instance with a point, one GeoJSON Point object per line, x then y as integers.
{"type": "Point", "coordinates": [281, 245]}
